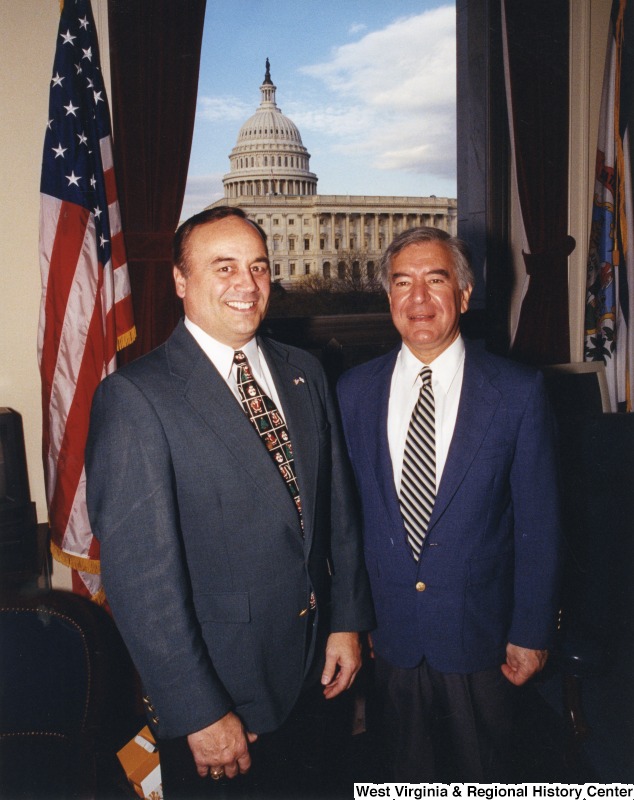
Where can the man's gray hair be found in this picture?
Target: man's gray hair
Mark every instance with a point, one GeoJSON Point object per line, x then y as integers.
{"type": "Point", "coordinates": [459, 250]}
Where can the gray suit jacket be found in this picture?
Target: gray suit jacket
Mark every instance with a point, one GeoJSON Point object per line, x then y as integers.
{"type": "Point", "coordinates": [203, 560]}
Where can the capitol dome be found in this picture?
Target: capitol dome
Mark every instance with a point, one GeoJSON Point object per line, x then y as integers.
{"type": "Point", "coordinates": [269, 157]}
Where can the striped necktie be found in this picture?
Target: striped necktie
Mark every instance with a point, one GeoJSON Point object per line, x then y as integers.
{"type": "Point", "coordinates": [268, 422]}
{"type": "Point", "coordinates": [418, 479]}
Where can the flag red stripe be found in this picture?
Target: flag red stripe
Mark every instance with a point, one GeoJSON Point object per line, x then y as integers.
{"type": "Point", "coordinates": [70, 461]}
{"type": "Point", "coordinates": [69, 227]}
{"type": "Point", "coordinates": [111, 186]}
{"type": "Point", "coordinates": [65, 252]}
{"type": "Point", "coordinates": [118, 254]}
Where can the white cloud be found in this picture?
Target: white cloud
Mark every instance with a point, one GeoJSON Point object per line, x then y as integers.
{"type": "Point", "coordinates": [396, 92]}
{"type": "Point", "coordinates": [357, 27]}
{"type": "Point", "coordinates": [200, 192]}
{"type": "Point", "coordinates": [223, 108]}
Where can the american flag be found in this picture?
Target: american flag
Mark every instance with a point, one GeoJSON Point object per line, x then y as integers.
{"type": "Point", "coordinates": [609, 329]}
{"type": "Point", "coordinates": [86, 310]}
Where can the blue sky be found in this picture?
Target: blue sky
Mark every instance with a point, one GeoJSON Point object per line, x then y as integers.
{"type": "Point", "coordinates": [369, 84]}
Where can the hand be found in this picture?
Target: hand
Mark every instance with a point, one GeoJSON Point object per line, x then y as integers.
{"type": "Point", "coordinates": [343, 661]}
{"type": "Point", "coordinates": [222, 745]}
{"type": "Point", "coordinates": [522, 663]}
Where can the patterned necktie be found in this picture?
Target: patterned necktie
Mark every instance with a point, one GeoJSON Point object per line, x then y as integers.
{"type": "Point", "coordinates": [268, 422]}
{"type": "Point", "coordinates": [418, 480]}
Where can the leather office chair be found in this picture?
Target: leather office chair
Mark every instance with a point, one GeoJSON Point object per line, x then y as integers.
{"type": "Point", "coordinates": [66, 698]}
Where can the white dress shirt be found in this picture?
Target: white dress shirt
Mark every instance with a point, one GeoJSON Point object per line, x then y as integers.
{"type": "Point", "coordinates": [447, 372]}
{"type": "Point", "coordinates": [221, 356]}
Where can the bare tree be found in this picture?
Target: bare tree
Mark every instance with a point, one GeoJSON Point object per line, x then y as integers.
{"type": "Point", "coordinates": [352, 271]}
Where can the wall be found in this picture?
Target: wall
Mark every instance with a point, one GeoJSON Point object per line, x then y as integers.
{"type": "Point", "coordinates": [26, 58]}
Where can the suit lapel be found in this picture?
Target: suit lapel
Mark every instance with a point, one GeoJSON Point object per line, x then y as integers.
{"type": "Point", "coordinates": [479, 400]}
{"type": "Point", "coordinates": [377, 394]}
{"type": "Point", "coordinates": [209, 396]}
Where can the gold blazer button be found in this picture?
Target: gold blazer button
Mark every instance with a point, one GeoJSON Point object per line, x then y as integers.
{"type": "Point", "coordinates": [420, 586]}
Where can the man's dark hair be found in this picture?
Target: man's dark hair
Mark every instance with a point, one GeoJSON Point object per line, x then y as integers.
{"type": "Point", "coordinates": [179, 245]}
{"type": "Point", "coordinates": [459, 250]}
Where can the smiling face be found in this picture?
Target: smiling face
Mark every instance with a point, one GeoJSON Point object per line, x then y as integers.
{"type": "Point", "coordinates": [228, 282]}
{"type": "Point", "coordinates": [425, 299]}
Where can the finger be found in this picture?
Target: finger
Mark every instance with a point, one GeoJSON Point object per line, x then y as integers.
{"type": "Point", "coordinates": [244, 763]}
{"type": "Point", "coordinates": [340, 684]}
{"type": "Point", "coordinates": [332, 690]}
{"type": "Point", "coordinates": [232, 769]}
{"type": "Point", "coordinates": [329, 669]}
{"type": "Point", "coordinates": [515, 675]}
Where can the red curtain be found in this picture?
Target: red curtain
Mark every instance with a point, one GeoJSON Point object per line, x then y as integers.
{"type": "Point", "coordinates": [155, 58]}
{"type": "Point", "coordinates": [536, 60]}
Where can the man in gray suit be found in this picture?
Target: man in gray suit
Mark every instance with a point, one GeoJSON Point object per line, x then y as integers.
{"type": "Point", "coordinates": [218, 487]}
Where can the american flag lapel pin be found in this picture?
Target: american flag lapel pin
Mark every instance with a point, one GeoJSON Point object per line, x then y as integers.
{"type": "Point", "coordinates": [299, 380]}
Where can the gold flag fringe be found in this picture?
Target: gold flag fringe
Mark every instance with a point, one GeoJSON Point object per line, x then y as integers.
{"type": "Point", "coordinates": [89, 565]}
{"type": "Point", "coordinates": [126, 338]}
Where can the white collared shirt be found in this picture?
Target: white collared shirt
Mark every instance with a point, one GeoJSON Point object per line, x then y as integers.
{"type": "Point", "coordinates": [447, 373]}
{"type": "Point", "coordinates": [221, 356]}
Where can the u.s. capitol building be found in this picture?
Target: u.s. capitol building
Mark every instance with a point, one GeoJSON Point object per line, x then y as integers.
{"type": "Point", "coordinates": [309, 233]}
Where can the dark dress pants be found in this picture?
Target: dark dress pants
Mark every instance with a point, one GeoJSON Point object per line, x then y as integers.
{"type": "Point", "coordinates": [445, 727]}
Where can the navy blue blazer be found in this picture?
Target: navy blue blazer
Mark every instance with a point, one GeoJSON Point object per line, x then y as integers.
{"type": "Point", "coordinates": [488, 571]}
{"type": "Point", "coordinates": [203, 559]}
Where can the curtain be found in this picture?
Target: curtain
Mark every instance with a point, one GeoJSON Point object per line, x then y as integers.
{"type": "Point", "coordinates": [155, 58]}
{"type": "Point", "coordinates": [536, 69]}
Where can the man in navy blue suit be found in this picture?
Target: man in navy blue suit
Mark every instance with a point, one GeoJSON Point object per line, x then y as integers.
{"type": "Point", "coordinates": [466, 606]}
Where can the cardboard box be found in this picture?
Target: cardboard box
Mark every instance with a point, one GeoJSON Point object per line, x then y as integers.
{"type": "Point", "coordinates": [140, 760]}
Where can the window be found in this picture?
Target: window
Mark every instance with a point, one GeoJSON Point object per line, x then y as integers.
{"type": "Point", "coordinates": [291, 222]}
{"type": "Point", "coordinates": [292, 267]}
{"type": "Point", "coordinates": [370, 270]}
{"type": "Point", "coordinates": [276, 221]}
{"type": "Point", "coordinates": [341, 270]}
{"type": "Point", "coordinates": [260, 221]}
{"type": "Point", "coordinates": [291, 244]}
{"type": "Point", "coordinates": [277, 270]}
{"type": "Point", "coordinates": [271, 181]}
{"type": "Point", "coordinates": [306, 268]}
{"type": "Point", "coordinates": [326, 270]}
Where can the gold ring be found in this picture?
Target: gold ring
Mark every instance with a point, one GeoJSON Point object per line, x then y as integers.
{"type": "Point", "coordinates": [217, 773]}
